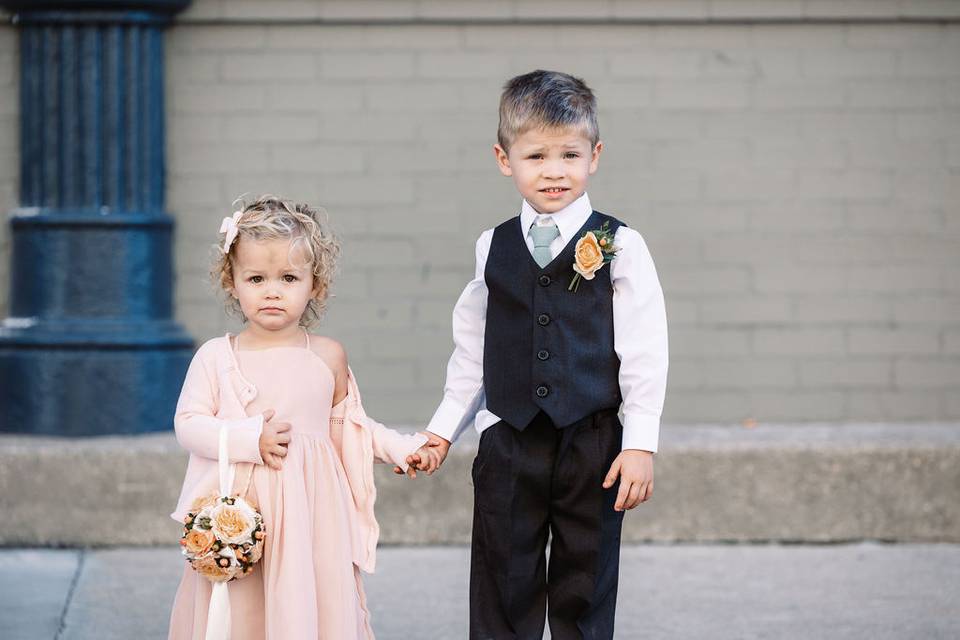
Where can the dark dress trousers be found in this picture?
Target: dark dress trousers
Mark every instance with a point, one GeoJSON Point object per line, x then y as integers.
{"type": "Point", "coordinates": [551, 375]}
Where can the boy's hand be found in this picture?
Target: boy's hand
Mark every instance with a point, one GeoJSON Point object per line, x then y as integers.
{"type": "Point", "coordinates": [438, 446]}
{"type": "Point", "coordinates": [274, 438]}
{"type": "Point", "coordinates": [423, 459]}
{"type": "Point", "coordinates": [634, 467]}
{"type": "Point", "coordinates": [437, 449]}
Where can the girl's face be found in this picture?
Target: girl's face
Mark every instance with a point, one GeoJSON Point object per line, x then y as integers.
{"type": "Point", "coordinates": [273, 281]}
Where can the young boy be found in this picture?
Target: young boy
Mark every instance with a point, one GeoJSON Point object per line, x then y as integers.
{"type": "Point", "coordinates": [555, 331]}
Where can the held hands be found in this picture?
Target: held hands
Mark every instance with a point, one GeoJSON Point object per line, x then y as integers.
{"type": "Point", "coordinates": [427, 458]}
{"type": "Point", "coordinates": [423, 459]}
{"type": "Point", "coordinates": [634, 467]}
{"type": "Point", "coordinates": [274, 439]}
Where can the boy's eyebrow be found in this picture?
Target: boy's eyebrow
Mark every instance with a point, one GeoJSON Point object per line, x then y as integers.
{"type": "Point", "coordinates": [539, 146]}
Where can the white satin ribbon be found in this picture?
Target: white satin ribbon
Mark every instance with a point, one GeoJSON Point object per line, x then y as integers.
{"type": "Point", "coordinates": [218, 615]}
{"type": "Point", "coordinates": [229, 227]}
{"type": "Point", "coordinates": [226, 469]}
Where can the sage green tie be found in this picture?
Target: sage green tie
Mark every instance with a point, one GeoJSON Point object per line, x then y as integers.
{"type": "Point", "coordinates": [543, 236]}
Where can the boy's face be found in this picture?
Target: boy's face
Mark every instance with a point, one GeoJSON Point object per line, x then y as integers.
{"type": "Point", "coordinates": [549, 166]}
{"type": "Point", "coordinates": [272, 291]}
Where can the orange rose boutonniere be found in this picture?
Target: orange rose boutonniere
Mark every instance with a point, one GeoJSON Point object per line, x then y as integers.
{"type": "Point", "coordinates": [592, 251]}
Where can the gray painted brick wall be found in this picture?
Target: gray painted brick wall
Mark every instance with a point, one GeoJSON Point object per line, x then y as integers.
{"type": "Point", "coordinates": [798, 184]}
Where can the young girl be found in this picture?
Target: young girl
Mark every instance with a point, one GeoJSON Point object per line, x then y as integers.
{"type": "Point", "coordinates": [302, 444]}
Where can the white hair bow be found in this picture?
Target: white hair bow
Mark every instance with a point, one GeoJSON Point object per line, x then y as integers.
{"type": "Point", "coordinates": [229, 227]}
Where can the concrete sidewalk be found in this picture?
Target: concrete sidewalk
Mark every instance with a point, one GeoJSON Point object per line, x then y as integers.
{"type": "Point", "coordinates": [869, 591]}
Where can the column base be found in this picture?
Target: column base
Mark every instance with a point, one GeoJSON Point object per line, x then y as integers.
{"type": "Point", "coordinates": [92, 377]}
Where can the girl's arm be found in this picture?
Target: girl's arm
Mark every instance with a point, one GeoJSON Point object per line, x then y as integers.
{"type": "Point", "coordinates": [196, 424]}
{"type": "Point", "coordinates": [389, 446]}
{"type": "Point", "coordinates": [393, 447]}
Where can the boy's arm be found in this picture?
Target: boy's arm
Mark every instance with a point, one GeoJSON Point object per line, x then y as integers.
{"type": "Point", "coordinates": [463, 392]}
{"type": "Point", "coordinates": [640, 340]}
{"type": "Point", "coordinates": [197, 427]}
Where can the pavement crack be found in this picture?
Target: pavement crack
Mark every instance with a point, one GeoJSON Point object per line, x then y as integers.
{"type": "Point", "coordinates": [73, 587]}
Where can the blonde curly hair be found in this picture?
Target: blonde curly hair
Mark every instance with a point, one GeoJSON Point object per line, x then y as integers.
{"type": "Point", "coordinates": [270, 218]}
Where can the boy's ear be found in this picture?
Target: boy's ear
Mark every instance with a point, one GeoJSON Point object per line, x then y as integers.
{"type": "Point", "coordinates": [595, 157]}
{"type": "Point", "coordinates": [503, 160]}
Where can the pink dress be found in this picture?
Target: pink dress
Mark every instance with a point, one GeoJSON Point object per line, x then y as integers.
{"type": "Point", "coordinates": [306, 586]}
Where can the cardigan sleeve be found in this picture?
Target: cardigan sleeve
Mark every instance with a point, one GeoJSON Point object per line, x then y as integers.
{"type": "Point", "coordinates": [196, 425]}
{"type": "Point", "coordinates": [393, 447]}
{"type": "Point", "coordinates": [388, 446]}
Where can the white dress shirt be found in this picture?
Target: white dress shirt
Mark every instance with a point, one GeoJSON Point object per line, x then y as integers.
{"type": "Point", "coordinates": [639, 327]}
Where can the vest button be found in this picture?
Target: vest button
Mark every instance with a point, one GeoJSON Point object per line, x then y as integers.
{"type": "Point", "coordinates": [542, 391]}
{"type": "Point", "coordinates": [544, 280]}
{"type": "Point", "coordinates": [543, 319]}
{"type": "Point", "coordinates": [543, 354]}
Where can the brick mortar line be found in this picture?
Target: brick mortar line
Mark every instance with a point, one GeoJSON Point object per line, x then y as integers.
{"type": "Point", "coordinates": [572, 21]}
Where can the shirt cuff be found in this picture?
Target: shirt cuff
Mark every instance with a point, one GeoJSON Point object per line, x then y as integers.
{"type": "Point", "coordinates": [446, 419]}
{"type": "Point", "coordinates": [641, 431]}
{"type": "Point", "coordinates": [246, 438]}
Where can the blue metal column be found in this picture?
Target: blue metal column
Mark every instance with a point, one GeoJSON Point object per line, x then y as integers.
{"type": "Point", "coordinates": [91, 346]}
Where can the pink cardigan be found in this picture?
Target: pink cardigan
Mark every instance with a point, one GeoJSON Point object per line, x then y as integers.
{"type": "Point", "coordinates": [215, 395]}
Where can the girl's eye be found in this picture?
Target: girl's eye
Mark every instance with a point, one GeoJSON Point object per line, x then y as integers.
{"type": "Point", "coordinates": [289, 278]}
{"type": "Point", "coordinates": [536, 156]}
{"type": "Point", "coordinates": [573, 155]}
{"type": "Point", "coordinates": [256, 279]}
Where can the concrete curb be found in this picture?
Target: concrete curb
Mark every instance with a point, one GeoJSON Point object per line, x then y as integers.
{"type": "Point", "coordinates": [787, 483]}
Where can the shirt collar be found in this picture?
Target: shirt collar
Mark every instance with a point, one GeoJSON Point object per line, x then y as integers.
{"type": "Point", "coordinates": [569, 219]}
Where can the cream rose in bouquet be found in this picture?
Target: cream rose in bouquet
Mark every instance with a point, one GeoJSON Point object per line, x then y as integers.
{"type": "Point", "coordinates": [222, 537]}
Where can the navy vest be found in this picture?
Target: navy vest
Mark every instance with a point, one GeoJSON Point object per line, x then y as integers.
{"type": "Point", "coordinates": [547, 348]}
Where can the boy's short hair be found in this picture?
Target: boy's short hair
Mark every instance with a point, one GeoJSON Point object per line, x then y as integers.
{"type": "Point", "coordinates": [546, 99]}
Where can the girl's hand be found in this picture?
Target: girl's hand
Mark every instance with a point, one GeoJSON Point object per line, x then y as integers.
{"type": "Point", "coordinates": [635, 470]}
{"type": "Point", "coordinates": [274, 439]}
{"type": "Point", "coordinates": [423, 459]}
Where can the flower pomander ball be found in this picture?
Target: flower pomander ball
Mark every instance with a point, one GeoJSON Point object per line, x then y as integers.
{"type": "Point", "coordinates": [223, 537]}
